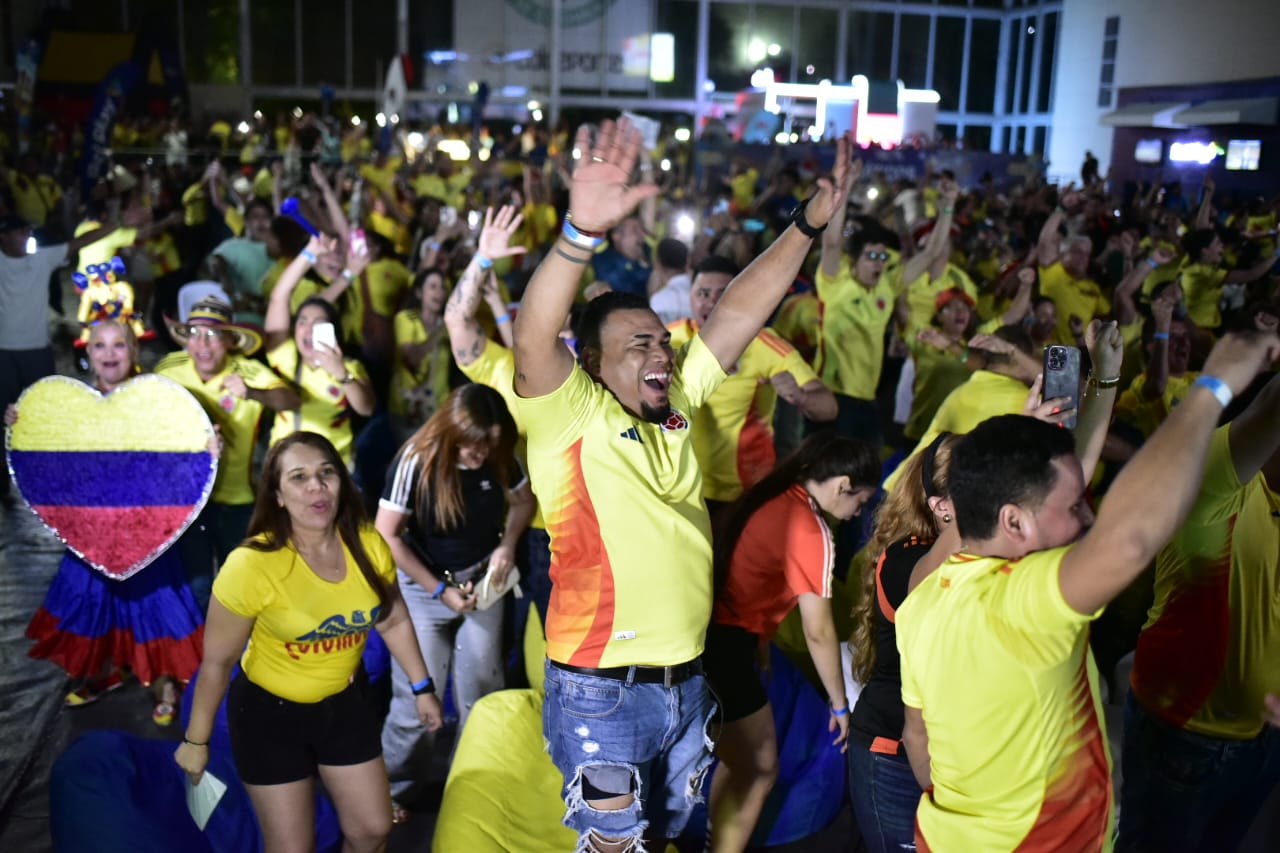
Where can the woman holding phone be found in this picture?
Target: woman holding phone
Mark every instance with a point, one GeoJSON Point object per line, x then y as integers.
{"type": "Point", "coordinates": [304, 351]}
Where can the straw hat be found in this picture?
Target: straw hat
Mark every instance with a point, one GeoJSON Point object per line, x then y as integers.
{"type": "Point", "coordinates": [216, 313]}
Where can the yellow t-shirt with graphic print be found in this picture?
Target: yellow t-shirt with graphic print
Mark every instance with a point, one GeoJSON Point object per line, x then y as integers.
{"type": "Point", "coordinates": [851, 337]}
{"type": "Point", "coordinates": [308, 633]}
{"type": "Point", "coordinates": [236, 419]}
{"type": "Point", "coordinates": [630, 535]}
{"type": "Point", "coordinates": [325, 409]}
{"type": "Point", "coordinates": [922, 296]}
{"type": "Point", "coordinates": [387, 281]}
{"type": "Point", "coordinates": [733, 431]}
{"type": "Point", "coordinates": [1202, 289]}
{"type": "Point", "coordinates": [1021, 763]}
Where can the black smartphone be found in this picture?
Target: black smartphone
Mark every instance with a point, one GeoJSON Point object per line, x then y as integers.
{"type": "Point", "coordinates": [1062, 378]}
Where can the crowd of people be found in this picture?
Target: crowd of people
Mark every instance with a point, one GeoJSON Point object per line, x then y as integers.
{"type": "Point", "coordinates": [529, 366]}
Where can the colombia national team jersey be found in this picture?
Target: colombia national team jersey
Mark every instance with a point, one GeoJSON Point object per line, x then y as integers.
{"type": "Point", "coordinates": [999, 665]}
{"type": "Point", "coordinates": [1210, 650]}
{"type": "Point", "coordinates": [630, 536]}
{"type": "Point", "coordinates": [733, 431]}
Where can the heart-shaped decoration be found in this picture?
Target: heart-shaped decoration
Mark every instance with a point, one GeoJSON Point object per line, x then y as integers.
{"type": "Point", "coordinates": [117, 477]}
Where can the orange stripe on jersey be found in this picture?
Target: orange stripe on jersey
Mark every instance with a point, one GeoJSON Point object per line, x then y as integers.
{"type": "Point", "coordinates": [580, 612]}
{"type": "Point", "coordinates": [1176, 667]}
{"type": "Point", "coordinates": [885, 608]}
{"type": "Point", "coordinates": [1076, 811]}
{"type": "Point", "coordinates": [775, 342]}
{"type": "Point", "coordinates": [756, 453]}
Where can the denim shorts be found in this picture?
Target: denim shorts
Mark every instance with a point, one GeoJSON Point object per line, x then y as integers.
{"type": "Point", "coordinates": [617, 737]}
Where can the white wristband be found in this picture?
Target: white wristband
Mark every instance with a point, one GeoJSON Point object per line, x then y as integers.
{"type": "Point", "coordinates": [1217, 388]}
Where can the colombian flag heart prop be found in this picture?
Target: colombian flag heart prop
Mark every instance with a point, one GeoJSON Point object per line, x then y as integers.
{"type": "Point", "coordinates": [118, 477]}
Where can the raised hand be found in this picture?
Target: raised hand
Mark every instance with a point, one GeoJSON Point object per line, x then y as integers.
{"type": "Point", "coordinates": [1106, 348]}
{"type": "Point", "coordinates": [933, 336]}
{"type": "Point", "coordinates": [991, 344]}
{"type": "Point", "coordinates": [495, 235]}
{"type": "Point", "coordinates": [1051, 411]}
{"type": "Point", "coordinates": [834, 191]}
{"type": "Point", "coordinates": [1238, 357]}
{"type": "Point", "coordinates": [600, 195]}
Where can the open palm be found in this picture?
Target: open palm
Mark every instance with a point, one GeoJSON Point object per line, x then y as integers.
{"type": "Point", "coordinates": [495, 237]}
{"type": "Point", "coordinates": [600, 195]}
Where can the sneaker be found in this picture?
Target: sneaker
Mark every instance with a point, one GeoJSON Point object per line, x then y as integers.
{"type": "Point", "coordinates": [163, 713]}
{"type": "Point", "coordinates": [91, 691]}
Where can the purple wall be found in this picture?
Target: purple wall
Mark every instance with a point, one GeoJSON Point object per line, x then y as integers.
{"type": "Point", "coordinates": [1265, 181]}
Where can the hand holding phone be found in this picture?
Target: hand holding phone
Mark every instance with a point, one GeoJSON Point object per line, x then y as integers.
{"type": "Point", "coordinates": [1062, 378]}
{"type": "Point", "coordinates": [323, 335]}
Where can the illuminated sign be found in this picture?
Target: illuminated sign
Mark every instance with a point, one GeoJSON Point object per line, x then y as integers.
{"type": "Point", "coordinates": [1202, 153]}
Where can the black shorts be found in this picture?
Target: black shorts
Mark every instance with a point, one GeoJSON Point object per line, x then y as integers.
{"type": "Point", "coordinates": [730, 666]}
{"type": "Point", "coordinates": [275, 741]}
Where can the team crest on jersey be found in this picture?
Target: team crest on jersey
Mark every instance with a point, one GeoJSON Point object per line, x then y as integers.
{"type": "Point", "coordinates": [675, 421]}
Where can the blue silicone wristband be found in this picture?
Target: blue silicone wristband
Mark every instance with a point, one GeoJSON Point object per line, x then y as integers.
{"type": "Point", "coordinates": [309, 255]}
{"type": "Point", "coordinates": [1217, 388]}
{"type": "Point", "coordinates": [1153, 263]}
{"type": "Point", "coordinates": [484, 262]}
{"type": "Point", "coordinates": [440, 588]}
{"type": "Point", "coordinates": [1160, 336]}
{"type": "Point", "coordinates": [502, 318]}
{"type": "Point", "coordinates": [420, 687]}
{"type": "Point", "coordinates": [840, 712]}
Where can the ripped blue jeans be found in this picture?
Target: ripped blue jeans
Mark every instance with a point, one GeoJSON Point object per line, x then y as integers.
{"type": "Point", "coordinates": [620, 737]}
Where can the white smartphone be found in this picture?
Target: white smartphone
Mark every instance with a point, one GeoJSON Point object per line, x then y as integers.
{"type": "Point", "coordinates": [322, 334]}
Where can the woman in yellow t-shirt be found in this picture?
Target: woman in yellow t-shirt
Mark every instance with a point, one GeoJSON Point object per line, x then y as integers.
{"type": "Point", "coordinates": [303, 592]}
{"type": "Point", "coordinates": [332, 387]}
{"type": "Point", "coordinates": [420, 378]}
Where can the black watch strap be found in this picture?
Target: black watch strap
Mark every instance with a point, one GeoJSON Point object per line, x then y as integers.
{"type": "Point", "coordinates": [798, 220]}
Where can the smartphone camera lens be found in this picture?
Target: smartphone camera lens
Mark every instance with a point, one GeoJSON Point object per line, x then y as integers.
{"type": "Point", "coordinates": [1057, 358]}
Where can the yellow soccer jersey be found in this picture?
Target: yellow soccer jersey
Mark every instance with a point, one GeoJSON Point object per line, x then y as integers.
{"type": "Point", "coordinates": [1202, 288]}
{"type": "Point", "coordinates": [630, 536]}
{"type": "Point", "coordinates": [308, 633]}
{"type": "Point", "coordinates": [1145, 415]}
{"type": "Point", "coordinates": [1210, 650]}
{"type": "Point", "coordinates": [733, 431]}
{"type": "Point", "coordinates": [325, 409]}
{"type": "Point", "coordinates": [416, 393]}
{"type": "Point", "coordinates": [922, 296]}
{"type": "Point", "coordinates": [851, 340]}
{"type": "Point", "coordinates": [798, 320]}
{"type": "Point", "coordinates": [236, 419]}
{"type": "Point", "coordinates": [1079, 296]}
{"type": "Point", "coordinates": [985, 395]}
{"type": "Point", "coordinates": [103, 250]}
{"type": "Point", "coordinates": [383, 284]}
{"type": "Point", "coordinates": [999, 665]}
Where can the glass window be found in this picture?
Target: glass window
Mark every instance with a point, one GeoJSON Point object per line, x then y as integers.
{"type": "Point", "coordinates": [1029, 36]}
{"type": "Point", "coordinates": [1038, 140]}
{"type": "Point", "coordinates": [211, 40]}
{"type": "Point", "coordinates": [1048, 49]}
{"type": "Point", "coordinates": [977, 137]}
{"type": "Point", "coordinates": [948, 59]}
{"type": "Point", "coordinates": [273, 46]}
{"type": "Point", "coordinates": [816, 46]}
{"type": "Point", "coordinates": [953, 3]}
{"type": "Point", "coordinates": [728, 46]}
{"type": "Point", "coordinates": [324, 43]}
{"type": "Point", "coordinates": [1104, 96]}
{"type": "Point", "coordinates": [913, 51]}
{"type": "Point", "coordinates": [373, 41]}
{"type": "Point", "coordinates": [1011, 71]}
{"type": "Point", "coordinates": [988, 4]}
{"type": "Point", "coordinates": [984, 54]}
{"type": "Point", "coordinates": [772, 30]}
{"type": "Point", "coordinates": [681, 20]}
{"type": "Point", "coordinates": [870, 45]}
{"type": "Point", "coordinates": [1113, 26]}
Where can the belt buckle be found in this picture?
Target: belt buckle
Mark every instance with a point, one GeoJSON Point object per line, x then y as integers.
{"type": "Point", "coordinates": [667, 677]}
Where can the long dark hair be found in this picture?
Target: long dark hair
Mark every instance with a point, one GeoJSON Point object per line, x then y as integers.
{"type": "Point", "coordinates": [473, 414]}
{"type": "Point", "coordinates": [270, 528]}
{"type": "Point", "coordinates": [820, 457]}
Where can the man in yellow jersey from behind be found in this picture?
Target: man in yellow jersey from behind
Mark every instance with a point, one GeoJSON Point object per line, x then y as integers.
{"type": "Point", "coordinates": [1022, 763]}
{"type": "Point", "coordinates": [733, 431]}
{"type": "Point", "coordinates": [1199, 762]}
{"type": "Point", "coordinates": [611, 460]}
